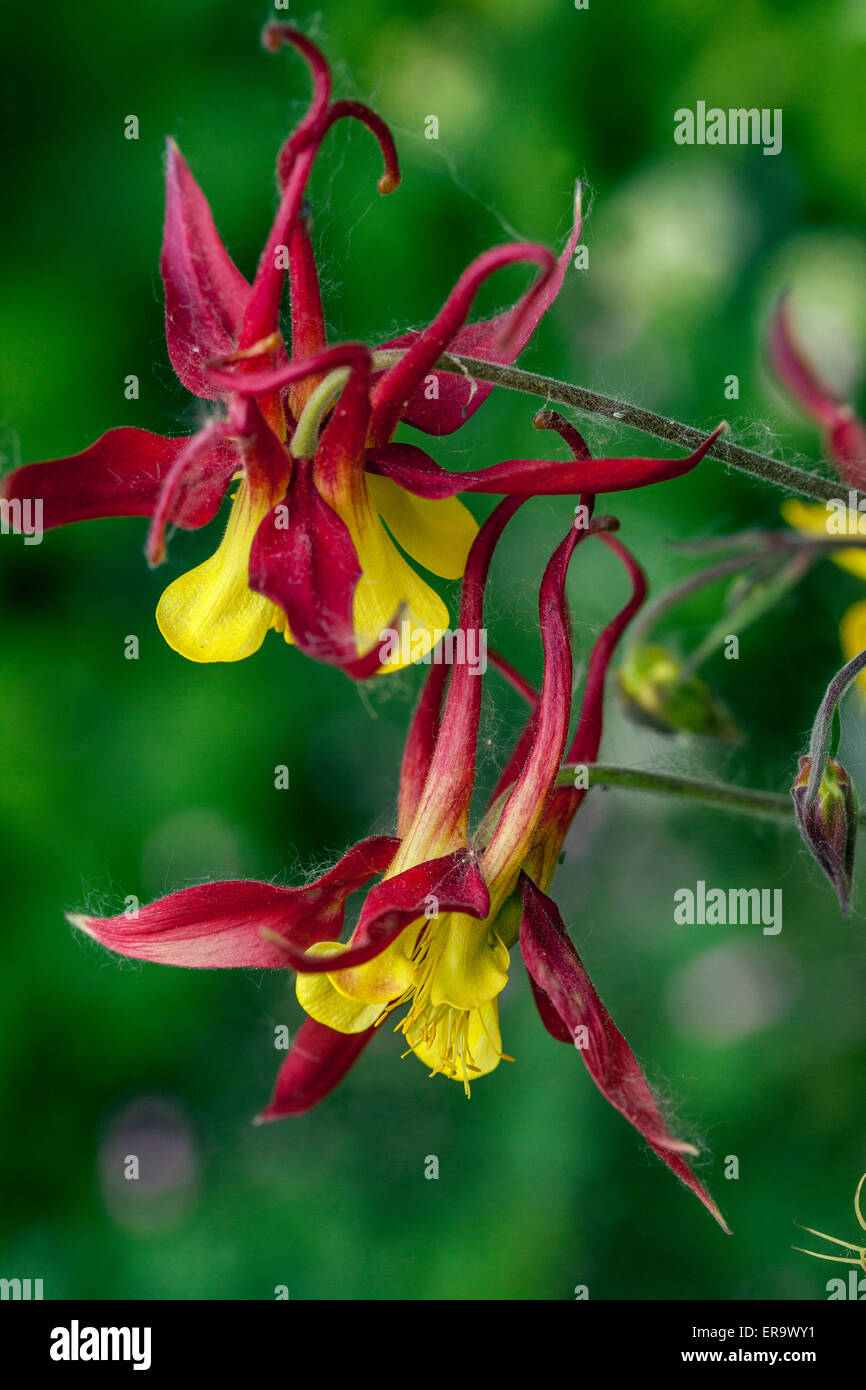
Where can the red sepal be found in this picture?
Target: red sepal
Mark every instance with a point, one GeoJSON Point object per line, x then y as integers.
{"type": "Point", "coordinates": [205, 293]}
{"type": "Point", "coordinates": [121, 475]}
{"type": "Point", "coordinates": [572, 1011]}
{"type": "Point", "coordinates": [318, 1061]}
{"type": "Point", "coordinates": [219, 925]}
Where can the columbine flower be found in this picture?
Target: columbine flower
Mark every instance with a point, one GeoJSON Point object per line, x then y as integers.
{"type": "Point", "coordinates": [319, 489]}
{"type": "Point", "coordinates": [435, 935]}
{"type": "Point", "coordinates": [844, 439]}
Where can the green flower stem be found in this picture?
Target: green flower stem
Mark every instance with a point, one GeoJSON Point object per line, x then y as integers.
{"type": "Point", "coordinates": [761, 597]}
{"type": "Point", "coordinates": [769, 470]}
{"type": "Point", "coordinates": [767, 805]}
{"type": "Point", "coordinates": [651, 614]}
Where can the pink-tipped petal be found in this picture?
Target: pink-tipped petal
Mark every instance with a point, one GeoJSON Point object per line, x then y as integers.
{"type": "Point", "coordinates": [205, 293]}
{"type": "Point", "coordinates": [458, 398]}
{"type": "Point", "coordinates": [220, 925]}
{"type": "Point", "coordinates": [318, 1061]}
{"type": "Point", "coordinates": [572, 1011]}
{"type": "Point", "coordinates": [122, 474]}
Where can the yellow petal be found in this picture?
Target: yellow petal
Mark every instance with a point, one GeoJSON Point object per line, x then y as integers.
{"type": "Point", "coordinates": [852, 633]}
{"type": "Point", "coordinates": [323, 1002]}
{"type": "Point", "coordinates": [810, 518]}
{"type": "Point", "coordinates": [813, 518]}
{"type": "Point", "coordinates": [211, 613]}
{"type": "Point", "coordinates": [438, 533]}
{"type": "Point", "coordinates": [468, 964]}
{"type": "Point", "coordinates": [388, 592]}
{"type": "Point", "coordinates": [383, 978]}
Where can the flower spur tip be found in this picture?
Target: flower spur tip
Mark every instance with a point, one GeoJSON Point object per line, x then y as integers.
{"type": "Point", "coordinates": [603, 525]}
{"type": "Point", "coordinates": [155, 554]}
{"type": "Point", "coordinates": [272, 36]}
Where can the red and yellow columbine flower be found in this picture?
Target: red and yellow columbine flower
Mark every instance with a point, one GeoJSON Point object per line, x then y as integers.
{"type": "Point", "coordinates": [321, 489]}
{"type": "Point", "coordinates": [435, 935]}
{"type": "Point", "coordinates": [844, 438]}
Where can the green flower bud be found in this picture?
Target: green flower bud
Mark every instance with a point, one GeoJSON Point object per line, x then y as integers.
{"type": "Point", "coordinates": [654, 693]}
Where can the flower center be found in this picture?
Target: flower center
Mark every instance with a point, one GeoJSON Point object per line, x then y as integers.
{"type": "Point", "coordinates": [452, 1024]}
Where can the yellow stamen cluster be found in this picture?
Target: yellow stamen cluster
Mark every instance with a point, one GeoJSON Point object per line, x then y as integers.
{"type": "Point", "coordinates": [439, 1029]}
{"type": "Point", "coordinates": [448, 970]}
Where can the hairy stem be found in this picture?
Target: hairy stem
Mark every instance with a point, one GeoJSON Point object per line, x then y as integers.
{"type": "Point", "coordinates": [768, 470]}
{"type": "Point", "coordinates": [767, 805]}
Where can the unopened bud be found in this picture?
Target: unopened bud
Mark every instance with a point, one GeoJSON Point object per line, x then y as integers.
{"type": "Point", "coordinates": [654, 693]}
{"type": "Point", "coordinates": [829, 825]}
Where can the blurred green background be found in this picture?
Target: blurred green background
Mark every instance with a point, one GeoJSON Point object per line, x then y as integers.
{"type": "Point", "coordinates": [136, 777]}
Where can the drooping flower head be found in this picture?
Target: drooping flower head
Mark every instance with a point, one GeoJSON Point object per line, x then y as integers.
{"type": "Point", "coordinates": [844, 438]}
{"type": "Point", "coordinates": [828, 824]}
{"type": "Point", "coordinates": [304, 432]}
{"type": "Point", "coordinates": [433, 944]}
